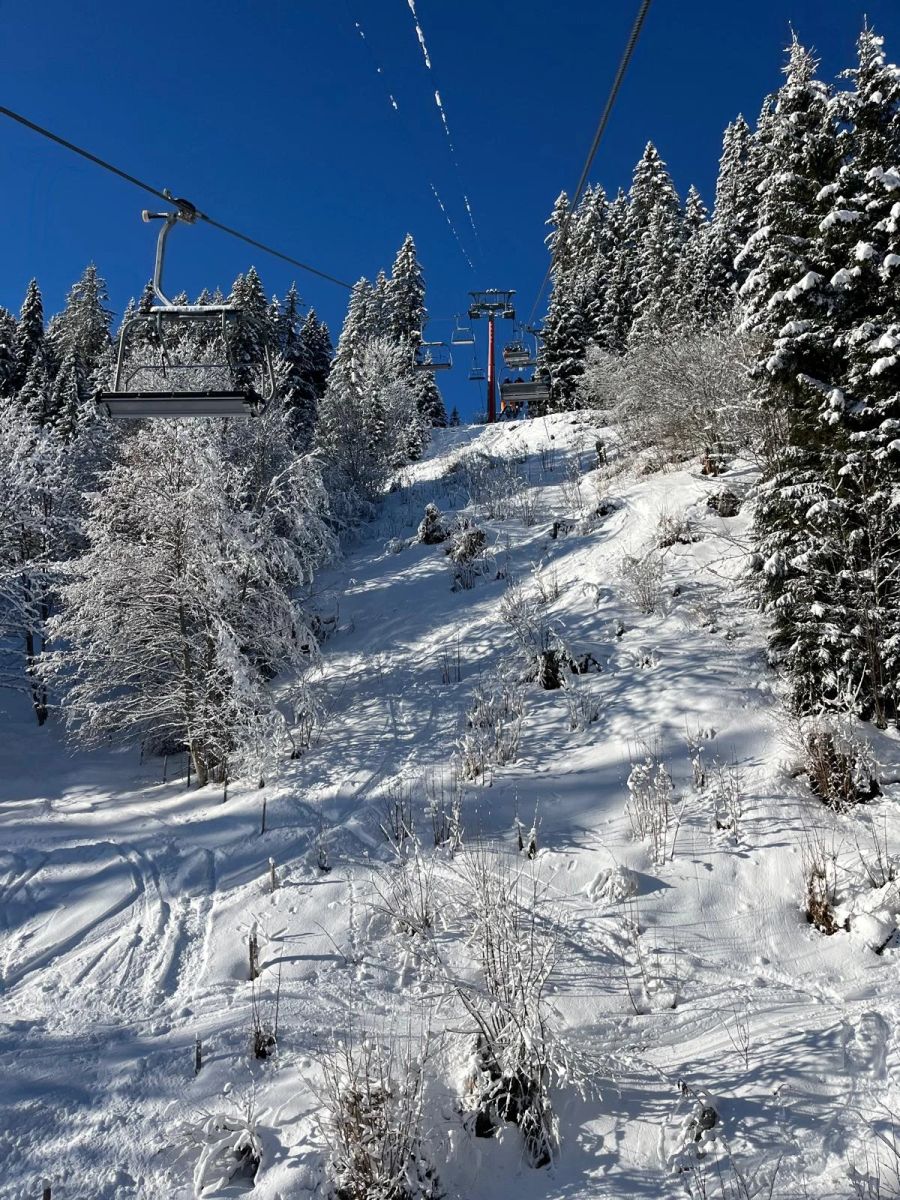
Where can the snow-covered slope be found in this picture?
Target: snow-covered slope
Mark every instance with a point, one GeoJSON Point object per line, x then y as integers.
{"type": "Point", "coordinates": [686, 977]}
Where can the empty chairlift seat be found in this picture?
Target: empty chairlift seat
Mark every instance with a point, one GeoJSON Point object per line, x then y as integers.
{"type": "Point", "coordinates": [178, 360]}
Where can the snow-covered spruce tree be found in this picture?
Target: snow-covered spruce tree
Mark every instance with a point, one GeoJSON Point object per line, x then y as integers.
{"type": "Point", "coordinates": [405, 296]}
{"type": "Point", "coordinates": [81, 330]}
{"type": "Point", "coordinates": [404, 317]}
{"type": "Point", "coordinates": [254, 336]}
{"type": "Point", "coordinates": [309, 357]}
{"type": "Point", "coordinates": [656, 230]}
{"type": "Point", "coordinates": [787, 307]}
{"type": "Point", "coordinates": [181, 608]}
{"type": "Point", "coordinates": [7, 351]}
{"type": "Point", "coordinates": [617, 309]}
{"type": "Point", "coordinates": [692, 271]}
{"type": "Point", "coordinates": [370, 423]}
{"type": "Point", "coordinates": [39, 509]}
{"type": "Point", "coordinates": [737, 199]}
{"type": "Point", "coordinates": [860, 247]}
{"type": "Point", "coordinates": [564, 336]}
{"type": "Point", "coordinates": [29, 332]}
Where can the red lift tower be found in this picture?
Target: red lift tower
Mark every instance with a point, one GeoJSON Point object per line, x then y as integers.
{"type": "Point", "coordinates": [491, 304]}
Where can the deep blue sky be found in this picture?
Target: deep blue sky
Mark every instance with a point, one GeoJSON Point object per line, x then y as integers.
{"type": "Point", "coordinates": [270, 117]}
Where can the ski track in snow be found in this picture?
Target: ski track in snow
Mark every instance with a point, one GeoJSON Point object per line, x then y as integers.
{"type": "Point", "coordinates": [125, 902]}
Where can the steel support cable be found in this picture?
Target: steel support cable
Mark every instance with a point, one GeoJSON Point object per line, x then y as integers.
{"type": "Point", "coordinates": [601, 129]}
{"type": "Point", "coordinates": [168, 199]}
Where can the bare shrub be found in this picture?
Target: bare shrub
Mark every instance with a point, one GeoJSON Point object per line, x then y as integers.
{"type": "Point", "coordinates": [450, 663]}
{"type": "Point", "coordinates": [444, 795]}
{"type": "Point", "coordinates": [649, 807]}
{"type": "Point", "coordinates": [727, 790]}
{"type": "Point", "coordinates": [397, 822]}
{"type": "Point", "coordinates": [514, 1060]}
{"type": "Point", "coordinates": [547, 584]}
{"type": "Point", "coordinates": [879, 866]}
{"type": "Point", "coordinates": [406, 895]}
{"type": "Point", "coordinates": [841, 766]}
{"type": "Point", "coordinates": [583, 707]}
{"type": "Point", "coordinates": [493, 726]}
{"type": "Point", "coordinates": [526, 506]}
{"type": "Point", "coordinates": [820, 875]}
{"type": "Point", "coordinates": [874, 1170]}
{"type": "Point", "coordinates": [674, 529]}
{"type": "Point", "coordinates": [371, 1120]}
{"type": "Point", "coordinates": [571, 488]}
{"type": "Point", "coordinates": [641, 580]}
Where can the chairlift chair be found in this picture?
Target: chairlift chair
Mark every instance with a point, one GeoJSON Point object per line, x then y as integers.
{"type": "Point", "coordinates": [433, 356]}
{"type": "Point", "coordinates": [476, 375]}
{"type": "Point", "coordinates": [462, 335]}
{"type": "Point", "coordinates": [516, 393]}
{"type": "Point", "coordinates": [166, 387]}
{"type": "Point", "coordinates": [516, 355]}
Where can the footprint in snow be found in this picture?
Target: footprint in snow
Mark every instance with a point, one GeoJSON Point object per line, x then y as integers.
{"type": "Point", "coordinates": [865, 1045]}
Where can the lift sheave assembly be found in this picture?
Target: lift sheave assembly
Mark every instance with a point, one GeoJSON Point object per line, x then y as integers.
{"type": "Point", "coordinates": [177, 360]}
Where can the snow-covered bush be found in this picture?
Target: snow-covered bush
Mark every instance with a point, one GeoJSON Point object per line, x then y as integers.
{"type": "Point", "coordinates": [684, 393]}
{"type": "Point", "coordinates": [468, 555]}
{"type": "Point", "coordinates": [649, 806]}
{"type": "Point", "coordinates": [493, 726]}
{"type": "Point", "coordinates": [183, 606]}
{"type": "Point", "coordinates": [641, 579]}
{"type": "Point", "coordinates": [372, 1120]}
{"type": "Point", "coordinates": [841, 766]}
{"type": "Point", "coordinates": [515, 1056]}
{"type": "Point", "coordinates": [432, 529]}
{"type": "Point", "coordinates": [230, 1148]}
{"type": "Point", "coordinates": [582, 706]}
{"type": "Point", "coordinates": [728, 797]}
{"type": "Point", "coordinates": [674, 529]}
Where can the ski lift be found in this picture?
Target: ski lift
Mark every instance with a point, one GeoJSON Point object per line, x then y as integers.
{"type": "Point", "coordinates": [516, 393]}
{"type": "Point", "coordinates": [163, 386]}
{"type": "Point", "coordinates": [476, 375]}
{"type": "Point", "coordinates": [462, 335]}
{"type": "Point", "coordinates": [516, 355]}
{"type": "Point", "coordinates": [433, 356]}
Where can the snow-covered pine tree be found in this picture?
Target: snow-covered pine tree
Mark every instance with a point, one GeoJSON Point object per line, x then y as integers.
{"type": "Point", "coordinates": [786, 307]}
{"type": "Point", "coordinates": [656, 231]}
{"type": "Point", "coordinates": [254, 337]}
{"type": "Point", "coordinates": [401, 314]}
{"type": "Point", "coordinates": [860, 245]}
{"type": "Point", "coordinates": [29, 332]}
{"type": "Point", "coordinates": [564, 336]}
{"type": "Point", "coordinates": [34, 394]}
{"type": "Point", "coordinates": [691, 281]}
{"type": "Point", "coordinates": [454, 421]}
{"type": "Point", "coordinates": [318, 352]}
{"type": "Point", "coordinates": [7, 351]}
{"type": "Point", "coordinates": [734, 215]}
{"type": "Point", "coordinates": [82, 328]}
{"type": "Point", "coordinates": [617, 310]}
{"type": "Point", "coordinates": [368, 426]}
{"type": "Point", "coordinates": [405, 296]}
